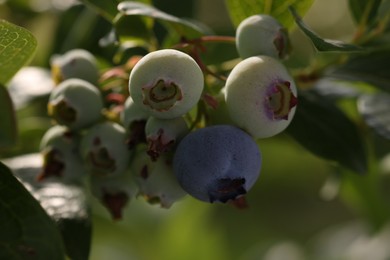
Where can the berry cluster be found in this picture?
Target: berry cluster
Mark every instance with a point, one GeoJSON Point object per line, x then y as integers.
{"type": "Point", "coordinates": [146, 128]}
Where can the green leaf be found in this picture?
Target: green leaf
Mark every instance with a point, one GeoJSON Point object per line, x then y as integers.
{"type": "Point", "coordinates": [182, 26]}
{"type": "Point", "coordinates": [66, 204]}
{"type": "Point", "coordinates": [375, 109]}
{"type": "Point", "coordinates": [132, 31]}
{"type": "Point", "coordinates": [322, 128]}
{"type": "Point", "coordinates": [364, 11]}
{"type": "Point", "coordinates": [27, 232]}
{"type": "Point", "coordinates": [372, 68]}
{"type": "Point", "coordinates": [239, 10]}
{"type": "Point", "coordinates": [384, 10]}
{"type": "Point", "coordinates": [107, 9]}
{"type": "Point", "coordinates": [8, 127]}
{"type": "Point", "coordinates": [323, 44]}
{"type": "Point", "coordinates": [17, 46]}
{"type": "Point", "coordinates": [364, 193]}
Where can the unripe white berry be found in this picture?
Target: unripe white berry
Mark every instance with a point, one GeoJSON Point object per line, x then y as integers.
{"type": "Point", "coordinates": [75, 103]}
{"type": "Point", "coordinates": [114, 193]}
{"type": "Point", "coordinates": [261, 96]}
{"type": "Point", "coordinates": [163, 134]}
{"type": "Point", "coordinates": [262, 35]}
{"type": "Point", "coordinates": [76, 63]}
{"type": "Point", "coordinates": [156, 180]}
{"type": "Point", "coordinates": [61, 158]}
{"type": "Point", "coordinates": [166, 83]}
{"type": "Point", "coordinates": [104, 149]}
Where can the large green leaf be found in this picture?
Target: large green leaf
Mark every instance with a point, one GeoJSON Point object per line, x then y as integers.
{"type": "Point", "coordinates": [17, 46]}
{"type": "Point", "coordinates": [372, 68]}
{"type": "Point", "coordinates": [107, 9]}
{"type": "Point", "coordinates": [183, 27]}
{"type": "Point", "coordinates": [66, 204]}
{"type": "Point", "coordinates": [364, 11]}
{"type": "Point", "coordinates": [375, 109]}
{"type": "Point", "coordinates": [239, 10]}
{"type": "Point", "coordinates": [364, 193]}
{"type": "Point", "coordinates": [27, 232]}
{"type": "Point", "coordinates": [323, 44]}
{"type": "Point", "coordinates": [8, 127]}
{"type": "Point", "coordinates": [322, 128]}
{"type": "Point", "coordinates": [384, 10]}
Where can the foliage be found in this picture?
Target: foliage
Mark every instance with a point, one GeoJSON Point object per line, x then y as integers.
{"type": "Point", "coordinates": [339, 122]}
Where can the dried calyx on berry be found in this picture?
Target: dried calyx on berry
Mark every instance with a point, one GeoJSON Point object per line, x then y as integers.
{"type": "Point", "coordinates": [75, 103]}
{"type": "Point", "coordinates": [217, 163]}
{"type": "Point", "coordinates": [163, 134]}
{"type": "Point", "coordinates": [166, 83]}
{"type": "Point", "coordinates": [262, 35]}
{"type": "Point", "coordinates": [76, 63]}
{"type": "Point", "coordinates": [104, 150]}
{"type": "Point", "coordinates": [155, 179]}
{"type": "Point", "coordinates": [261, 96]}
{"type": "Point", "coordinates": [61, 159]}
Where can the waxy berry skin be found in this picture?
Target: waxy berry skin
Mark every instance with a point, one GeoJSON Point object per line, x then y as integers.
{"type": "Point", "coordinates": [134, 118]}
{"type": "Point", "coordinates": [262, 35]}
{"type": "Point", "coordinates": [76, 63]}
{"type": "Point", "coordinates": [217, 163]}
{"type": "Point", "coordinates": [132, 113]}
{"type": "Point", "coordinates": [114, 193]}
{"type": "Point", "coordinates": [61, 159]}
{"type": "Point", "coordinates": [104, 150]}
{"type": "Point", "coordinates": [261, 96]}
{"type": "Point", "coordinates": [75, 103]}
{"type": "Point", "coordinates": [163, 134]}
{"type": "Point", "coordinates": [155, 179]}
{"type": "Point", "coordinates": [166, 83]}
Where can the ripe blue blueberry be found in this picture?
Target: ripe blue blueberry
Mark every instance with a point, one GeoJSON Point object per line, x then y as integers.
{"type": "Point", "coordinates": [217, 163]}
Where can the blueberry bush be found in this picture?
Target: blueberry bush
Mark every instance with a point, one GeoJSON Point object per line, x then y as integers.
{"type": "Point", "coordinates": [229, 129]}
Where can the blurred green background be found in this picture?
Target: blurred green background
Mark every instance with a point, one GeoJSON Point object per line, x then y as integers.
{"type": "Point", "coordinates": [295, 211]}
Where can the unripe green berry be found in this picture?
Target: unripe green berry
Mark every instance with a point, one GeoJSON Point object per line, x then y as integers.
{"type": "Point", "coordinates": [75, 103]}
{"type": "Point", "coordinates": [261, 96]}
{"type": "Point", "coordinates": [132, 113]}
{"type": "Point", "coordinates": [104, 149]}
{"type": "Point", "coordinates": [163, 134]}
{"type": "Point", "coordinates": [156, 180]}
{"type": "Point", "coordinates": [262, 35]}
{"type": "Point", "coordinates": [114, 193]}
{"type": "Point", "coordinates": [61, 159]}
{"type": "Point", "coordinates": [133, 118]}
{"type": "Point", "coordinates": [76, 63]}
{"type": "Point", "coordinates": [166, 83]}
